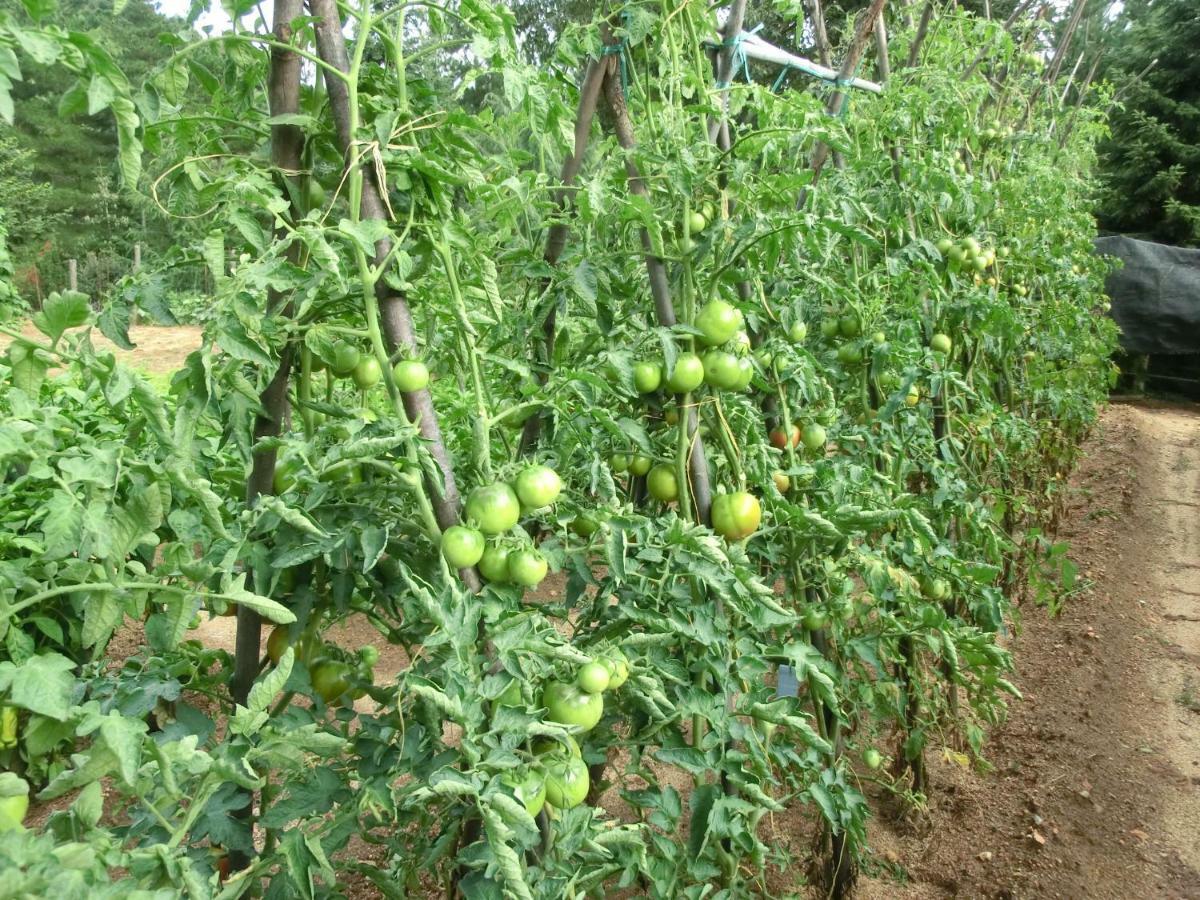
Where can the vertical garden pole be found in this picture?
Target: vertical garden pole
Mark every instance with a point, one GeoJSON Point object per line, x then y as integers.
{"type": "Point", "coordinates": [725, 62]}
{"type": "Point", "coordinates": [283, 97]}
{"type": "Point", "coordinates": [399, 330]}
{"type": "Point", "coordinates": [854, 53]}
{"type": "Point", "coordinates": [556, 238]}
{"type": "Point", "coordinates": [660, 289]}
{"type": "Point", "coordinates": [73, 274]}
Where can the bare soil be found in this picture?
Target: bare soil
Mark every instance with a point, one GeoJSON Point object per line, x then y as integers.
{"type": "Point", "coordinates": [1095, 790]}
{"type": "Point", "coordinates": [158, 350]}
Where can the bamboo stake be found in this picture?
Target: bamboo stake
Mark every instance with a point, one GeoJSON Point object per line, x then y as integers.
{"type": "Point", "coordinates": [914, 51]}
{"type": "Point", "coordinates": [660, 287]}
{"type": "Point", "coordinates": [725, 61]}
{"type": "Point", "coordinates": [858, 45]}
{"type": "Point", "coordinates": [556, 238]}
{"type": "Point", "coordinates": [399, 330]}
{"type": "Point", "coordinates": [817, 14]}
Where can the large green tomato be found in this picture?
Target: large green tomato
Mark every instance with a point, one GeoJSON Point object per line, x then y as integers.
{"type": "Point", "coordinates": [696, 222]}
{"type": "Point", "coordinates": [568, 705]}
{"type": "Point", "coordinates": [745, 373]}
{"type": "Point", "coordinates": [718, 322]}
{"type": "Point", "coordinates": [330, 679]}
{"type": "Point", "coordinates": [463, 547]}
{"type": "Point", "coordinates": [813, 436]}
{"type": "Point", "coordinates": [567, 782]}
{"type": "Point", "coordinates": [640, 465]}
{"type": "Point", "coordinates": [530, 789]}
{"type": "Point", "coordinates": [285, 475]}
{"type": "Point", "coordinates": [798, 332]}
{"type": "Point", "coordinates": [367, 373]}
{"type": "Point", "coordinates": [849, 354]}
{"type": "Point", "coordinates": [410, 375]}
{"type": "Point", "coordinates": [687, 375]}
{"type": "Point", "coordinates": [662, 484]}
{"type": "Point", "coordinates": [593, 677]}
{"type": "Point", "coordinates": [527, 567]}
{"type": "Point", "coordinates": [618, 667]}
{"type": "Point", "coordinates": [538, 487]}
{"type": "Point", "coordinates": [849, 326]}
{"type": "Point", "coordinates": [619, 463]}
{"type": "Point", "coordinates": [721, 370]}
{"type": "Point", "coordinates": [345, 358]}
{"type": "Point", "coordinates": [493, 565]}
{"type": "Point", "coordinates": [647, 377]}
{"type": "Point", "coordinates": [941, 343]}
{"type": "Point", "coordinates": [14, 800]}
{"type": "Point", "coordinates": [829, 328]}
{"type": "Point", "coordinates": [736, 516]}
{"type": "Point", "coordinates": [494, 508]}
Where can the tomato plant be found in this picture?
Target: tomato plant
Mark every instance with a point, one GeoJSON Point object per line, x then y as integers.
{"type": "Point", "coordinates": [456, 339]}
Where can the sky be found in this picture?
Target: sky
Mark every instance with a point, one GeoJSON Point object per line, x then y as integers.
{"type": "Point", "coordinates": [215, 16]}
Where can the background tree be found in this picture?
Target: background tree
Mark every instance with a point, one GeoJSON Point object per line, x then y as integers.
{"type": "Point", "coordinates": [1151, 163]}
{"type": "Point", "coordinates": [66, 202]}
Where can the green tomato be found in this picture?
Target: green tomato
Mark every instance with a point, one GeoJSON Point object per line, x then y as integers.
{"type": "Point", "coordinates": [696, 222]}
{"type": "Point", "coordinates": [798, 332]}
{"type": "Point", "coordinates": [369, 655]}
{"type": "Point", "coordinates": [878, 338]}
{"type": "Point", "coordinates": [941, 343]}
{"type": "Point", "coordinates": [619, 463]}
{"type": "Point", "coordinates": [538, 487]}
{"type": "Point", "coordinates": [849, 354]}
{"type": "Point", "coordinates": [463, 547]}
{"type": "Point", "coordinates": [721, 369]}
{"type": "Point", "coordinates": [568, 705]}
{"type": "Point", "coordinates": [849, 326]}
{"type": "Point", "coordinates": [410, 375]}
{"type": "Point", "coordinates": [971, 245]}
{"type": "Point", "coordinates": [872, 758]}
{"type": "Point", "coordinates": [647, 377]}
{"type": "Point", "coordinates": [617, 664]}
{"type": "Point", "coordinates": [530, 789]}
{"type": "Point", "coordinates": [330, 679]}
{"type": "Point", "coordinates": [640, 465]}
{"type": "Point", "coordinates": [745, 373]}
{"type": "Point", "coordinates": [718, 322]}
{"type": "Point", "coordinates": [813, 436]}
{"type": "Point", "coordinates": [567, 782]}
{"type": "Point", "coordinates": [527, 567]}
{"type": "Point", "coordinates": [814, 619]}
{"type": "Point", "coordinates": [493, 565]}
{"type": "Point", "coordinates": [736, 516]}
{"type": "Point", "coordinates": [345, 358]}
{"type": "Point", "coordinates": [687, 375]}
{"type": "Point", "coordinates": [13, 810]}
{"type": "Point", "coordinates": [367, 373]}
{"type": "Point", "coordinates": [944, 246]}
{"type": "Point", "coordinates": [829, 328]}
{"type": "Point", "coordinates": [285, 475]}
{"type": "Point", "coordinates": [315, 194]}
{"type": "Point", "coordinates": [662, 484]}
{"type": "Point", "coordinates": [494, 508]}
{"type": "Point", "coordinates": [585, 525]}
{"type": "Point", "coordinates": [593, 677]}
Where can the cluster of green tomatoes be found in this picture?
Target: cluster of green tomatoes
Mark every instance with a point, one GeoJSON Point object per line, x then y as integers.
{"type": "Point", "coordinates": [558, 776]}
{"type": "Point", "coordinates": [492, 511]}
{"type": "Point", "coordinates": [349, 362]}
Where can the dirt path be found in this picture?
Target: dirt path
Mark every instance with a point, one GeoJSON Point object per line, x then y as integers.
{"type": "Point", "coordinates": [158, 350]}
{"type": "Point", "coordinates": [1095, 791]}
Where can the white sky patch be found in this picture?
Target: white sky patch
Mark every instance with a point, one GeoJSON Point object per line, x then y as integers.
{"type": "Point", "coordinates": [214, 17]}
